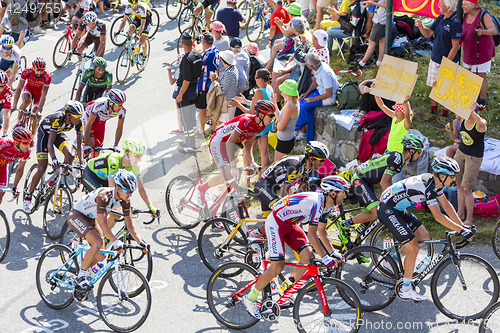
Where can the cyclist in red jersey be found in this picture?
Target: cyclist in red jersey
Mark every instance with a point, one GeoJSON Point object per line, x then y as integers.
{"type": "Point", "coordinates": [17, 148]}
{"type": "Point", "coordinates": [222, 145]}
{"type": "Point", "coordinates": [5, 101]}
{"type": "Point", "coordinates": [33, 86]}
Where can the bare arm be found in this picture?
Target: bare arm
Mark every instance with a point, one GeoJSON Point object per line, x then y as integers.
{"type": "Point", "coordinates": [386, 181]}
{"type": "Point", "coordinates": [426, 32]}
{"type": "Point", "coordinates": [45, 90]}
{"type": "Point", "coordinates": [381, 105]}
{"type": "Point", "coordinates": [407, 114]}
{"type": "Point", "coordinates": [454, 49]}
{"type": "Point", "coordinates": [88, 128]}
{"type": "Point", "coordinates": [119, 131]}
{"type": "Point", "coordinates": [444, 220]}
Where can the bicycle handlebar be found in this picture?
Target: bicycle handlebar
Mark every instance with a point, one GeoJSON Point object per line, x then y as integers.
{"type": "Point", "coordinates": [83, 55]}
{"type": "Point", "coordinates": [137, 211]}
{"type": "Point", "coordinates": [10, 191]}
{"type": "Point", "coordinates": [31, 113]}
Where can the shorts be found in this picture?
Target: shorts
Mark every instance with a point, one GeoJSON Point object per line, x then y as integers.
{"type": "Point", "coordinates": [136, 22]}
{"type": "Point", "coordinates": [42, 142]}
{"type": "Point", "coordinates": [212, 5]}
{"type": "Point", "coordinates": [304, 5]}
{"type": "Point", "coordinates": [91, 39]}
{"type": "Point", "coordinates": [6, 65]}
{"type": "Point", "coordinates": [432, 73]}
{"type": "Point", "coordinates": [377, 33]}
{"type": "Point", "coordinates": [324, 3]}
{"type": "Point", "coordinates": [202, 100]}
{"type": "Point", "coordinates": [79, 13]}
{"type": "Point", "coordinates": [91, 181]}
{"type": "Point", "coordinates": [285, 147]}
{"type": "Point", "coordinates": [90, 94]}
{"type": "Point", "coordinates": [278, 231]}
{"type": "Point", "coordinates": [469, 169]}
{"type": "Point", "coordinates": [80, 223]}
{"type": "Point", "coordinates": [4, 176]}
{"type": "Point", "coordinates": [481, 68]}
{"type": "Point", "coordinates": [218, 152]}
{"type": "Point", "coordinates": [266, 193]}
{"type": "Point", "coordinates": [402, 224]}
{"type": "Point", "coordinates": [364, 192]}
{"type": "Point", "coordinates": [36, 95]}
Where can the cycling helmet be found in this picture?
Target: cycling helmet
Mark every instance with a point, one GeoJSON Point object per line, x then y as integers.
{"type": "Point", "coordinates": [265, 107]}
{"type": "Point", "coordinates": [412, 142]}
{"type": "Point", "coordinates": [39, 63]}
{"type": "Point", "coordinates": [117, 96]}
{"type": "Point", "coordinates": [134, 146]}
{"type": "Point", "coordinates": [445, 165]}
{"type": "Point", "coordinates": [126, 180]}
{"type": "Point", "coordinates": [99, 62]}
{"type": "Point", "coordinates": [217, 26]}
{"type": "Point", "coordinates": [74, 107]}
{"type": "Point", "coordinates": [4, 78]}
{"type": "Point", "coordinates": [334, 183]}
{"type": "Point", "coordinates": [8, 41]}
{"type": "Point", "coordinates": [90, 17]}
{"type": "Point", "coordinates": [21, 134]}
{"type": "Point", "coordinates": [133, 2]}
{"type": "Point", "coordinates": [317, 149]}
{"type": "Point", "coordinates": [15, 11]}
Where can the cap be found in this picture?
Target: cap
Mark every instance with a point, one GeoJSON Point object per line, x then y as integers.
{"type": "Point", "coordinates": [295, 9]}
{"type": "Point", "coordinates": [208, 37]}
{"type": "Point", "coordinates": [228, 57]}
{"type": "Point", "coordinates": [186, 35]}
{"type": "Point", "coordinates": [278, 1]}
{"type": "Point", "coordinates": [236, 43]}
{"type": "Point", "coordinates": [322, 37]}
{"type": "Point", "coordinates": [289, 87]}
{"type": "Point", "coordinates": [253, 48]}
{"type": "Point", "coordinates": [232, 1]}
{"type": "Point", "coordinates": [475, 2]}
{"type": "Point", "coordinates": [217, 26]}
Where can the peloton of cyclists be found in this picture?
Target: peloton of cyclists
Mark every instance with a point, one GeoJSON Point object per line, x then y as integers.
{"type": "Point", "coordinates": [141, 22]}
{"type": "Point", "coordinates": [18, 26]}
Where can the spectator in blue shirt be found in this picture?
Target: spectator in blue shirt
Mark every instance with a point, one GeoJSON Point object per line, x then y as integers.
{"type": "Point", "coordinates": [231, 18]}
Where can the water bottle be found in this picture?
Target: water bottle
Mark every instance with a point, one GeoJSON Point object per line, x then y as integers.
{"type": "Point", "coordinates": [97, 267]}
{"type": "Point", "coordinates": [361, 228]}
{"type": "Point", "coordinates": [74, 244]}
{"type": "Point", "coordinates": [287, 284]}
{"type": "Point", "coordinates": [274, 286]}
{"type": "Point", "coordinates": [136, 50]}
{"type": "Point", "coordinates": [423, 264]}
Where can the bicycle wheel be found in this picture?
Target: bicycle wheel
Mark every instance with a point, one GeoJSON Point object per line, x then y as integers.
{"type": "Point", "coordinates": [76, 84]}
{"type": "Point", "coordinates": [155, 23]}
{"type": "Point", "coordinates": [27, 185]}
{"type": "Point", "coordinates": [255, 27]}
{"type": "Point", "coordinates": [382, 232]}
{"type": "Point", "coordinates": [143, 262]}
{"type": "Point", "coordinates": [308, 311]}
{"type": "Point", "coordinates": [4, 236]}
{"type": "Point", "coordinates": [375, 289]}
{"type": "Point", "coordinates": [173, 8]}
{"type": "Point", "coordinates": [55, 279]}
{"type": "Point", "coordinates": [185, 19]}
{"type": "Point", "coordinates": [216, 247]}
{"type": "Point", "coordinates": [66, 238]}
{"type": "Point", "coordinates": [245, 9]}
{"type": "Point", "coordinates": [490, 321]}
{"type": "Point", "coordinates": [495, 239]}
{"type": "Point", "coordinates": [122, 312]}
{"type": "Point", "coordinates": [60, 55]}
{"type": "Point", "coordinates": [460, 302]}
{"type": "Point", "coordinates": [181, 204]}
{"type": "Point", "coordinates": [143, 61]}
{"type": "Point", "coordinates": [71, 182]}
{"type": "Point", "coordinates": [120, 39]}
{"type": "Point", "coordinates": [20, 69]}
{"type": "Point", "coordinates": [123, 66]}
{"type": "Point", "coordinates": [56, 212]}
{"type": "Point", "coordinates": [224, 282]}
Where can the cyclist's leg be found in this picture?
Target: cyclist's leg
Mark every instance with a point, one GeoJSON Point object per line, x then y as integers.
{"type": "Point", "coordinates": [200, 6]}
{"type": "Point", "coordinates": [42, 159]}
{"type": "Point", "coordinates": [133, 26]}
{"type": "Point", "coordinates": [297, 240]}
{"type": "Point", "coordinates": [219, 156]}
{"type": "Point", "coordinates": [210, 12]}
{"type": "Point", "coordinates": [4, 179]}
{"type": "Point", "coordinates": [62, 143]}
{"type": "Point", "coordinates": [36, 96]}
{"type": "Point", "coordinates": [417, 228]}
{"type": "Point", "coordinates": [266, 196]}
{"type": "Point", "coordinates": [86, 42]}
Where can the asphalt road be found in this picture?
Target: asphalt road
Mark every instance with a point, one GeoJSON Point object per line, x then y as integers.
{"type": "Point", "coordinates": [179, 277]}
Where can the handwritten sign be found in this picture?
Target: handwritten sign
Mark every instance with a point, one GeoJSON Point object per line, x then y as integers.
{"type": "Point", "coordinates": [456, 88]}
{"type": "Point", "coordinates": [395, 79]}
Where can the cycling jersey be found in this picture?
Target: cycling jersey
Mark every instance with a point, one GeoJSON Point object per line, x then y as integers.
{"type": "Point", "coordinates": [6, 98]}
{"type": "Point", "coordinates": [412, 190]}
{"type": "Point", "coordinates": [105, 81]}
{"type": "Point", "coordinates": [56, 122]}
{"type": "Point", "coordinates": [210, 64]}
{"type": "Point", "coordinates": [141, 12]}
{"type": "Point", "coordinates": [9, 153]}
{"type": "Point", "coordinates": [20, 28]}
{"type": "Point", "coordinates": [373, 170]}
{"type": "Point", "coordinates": [287, 170]}
{"type": "Point", "coordinates": [100, 201]}
{"type": "Point", "coordinates": [107, 165]}
{"type": "Point", "coordinates": [100, 109]}
{"type": "Point", "coordinates": [35, 83]}
{"type": "Point", "coordinates": [98, 31]}
{"type": "Point", "coordinates": [13, 57]}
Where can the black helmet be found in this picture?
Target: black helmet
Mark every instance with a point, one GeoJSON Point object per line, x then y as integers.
{"type": "Point", "coordinates": [317, 149]}
{"type": "Point", "coordinates": [74, 107]}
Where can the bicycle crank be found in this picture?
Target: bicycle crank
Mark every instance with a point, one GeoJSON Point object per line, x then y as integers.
{"type": "Point", "coordinates": [270, 310]}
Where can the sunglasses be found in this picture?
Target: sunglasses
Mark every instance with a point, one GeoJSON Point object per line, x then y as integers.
{"type": "Point", "coordinates": [319, 159]}
{"type": "Point", "coordinates": [76, 116]}
{"type": "Point", "coordinates": [126, 191]}
{"type": "Point", "coordinates": [7, 47]}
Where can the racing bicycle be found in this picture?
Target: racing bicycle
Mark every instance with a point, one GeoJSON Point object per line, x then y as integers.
{"type": "Point", "coordinates": [132, 55]}
{"type": "Point", "coordinates": [258, 22]}
{"type": "Point", "coordinates": [118, 40]}
{"type": "Point", "coordinates": [80, 70]}
{"type": "Point", "coordinates": [60, 56]}
{"type": "Point", "coordinates": [5, 230]}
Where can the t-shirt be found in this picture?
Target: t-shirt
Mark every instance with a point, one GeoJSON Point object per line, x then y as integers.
{"type": "Point", "coordinates": [282, 14]}
{"type": "Point", "coordinates": [245, 124]}
{"type": "Point", "coordinates": [107, 165]}
{"type": "Point", "coordinates": [6, 98]}
{"type": "Point", "coordinates": [325, 78]}
{"type": "Point", "coordinates": [210, 64]}
{"type": "Point", "coordinates": [379, 16]}
{"type": "Point", "coordinates": [222, 44]}
{"type": "Point", "coordinates": [190, 68]}
{"type": "Point", "coordinates": [323, 54]}
{"type": "Point", "coordinates": [100, 109]}
{"type": "Point", "coordinates": [372, 171]}
{"type": "Point", "coordinates": [396, 135]}
{"type": "Point", "coordinates": [20, 28]}
{"type": "Point", "coordinates": [105, 81]}
{"type": "Point", "coordinates": [231, 17]}
{"type": "Point", "coordinates": [445, 30]}
{"type": "Point", "coordinates": [243, 66]}
{"type": "Point", "coordinates": [100, 201]}
{"type": "Point", "coordinates": [297, 208]}
{"type": "Point", "coordinates": [34, 82]}
{"type": "Point", "coordinates": [56, 122]}
{"type": "Point", "coordinates": [9, 153]}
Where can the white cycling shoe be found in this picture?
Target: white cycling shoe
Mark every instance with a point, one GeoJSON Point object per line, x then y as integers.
{"type": "Point", "coordinates": [251, 307]}
{"type": "Point", "coordinates": [411, 294]}
{"type": "Point", "coordinates": [27, 206]}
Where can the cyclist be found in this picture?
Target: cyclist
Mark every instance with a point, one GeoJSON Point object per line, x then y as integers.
{"type": "Point", "coordinates": [210, 7]}
{"type": "Point", "coordinates": [50, 133]}
{"type": "Point", "coordinates": [10, 57]}
{"type": "Point", "coordinates": [17, 148]}
{"type": "Point", "coordinates": [96, 79]}
{"type": "Point", "coordinates": [97, 113]}
{"type": "Point", "coordinates": [85, 6]}
{"type": "Point", "coordinates": [245, 128]}
{"type": "Point", "coordinates": [100, 170]}
{"type": "Point", "coordinates": [94, 31]}
{"type": "Point", "coordinates": [281, 228]}
{"type": "Point", "coordinates": [141, 22]}
{"type": "Point", "coordinates": [377, 171]}
{"type": "Point", "coordinates": [5, 102]}
{"type": "Point", "coordinates": [88, 219]}
{"type": "Point", "coordinates": [18, 26]}
{"type": "Point", "coordinates": [405, 227]}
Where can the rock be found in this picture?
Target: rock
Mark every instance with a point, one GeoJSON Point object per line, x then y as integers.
{"type": "Point", "coordinates": [348, 151]}
{"type": "Point", "coordinates": [432, 150]}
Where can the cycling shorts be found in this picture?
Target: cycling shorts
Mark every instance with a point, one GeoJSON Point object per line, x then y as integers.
{"type": "Point", "coordinates": [91, 39]}
{"type": "Point", "coordinates": [136, 22]}
{"type": "Point", "coordinates": [365, 194]}
{"type": "Point", "coordinates": [278, 233]}
{"type": "Point", "coordinates": [80, 223]}
{"type": "Point", "coordinates": [97, 132]}
{"type": "Point", "coordinates": [16, 37]}
{"type": "Point", "coordinates": [6, 65]}
{"type": "Point", "coordinates": [402, 224]}
{"type": "Point", "coordinates": [91, 181]}
{"type": "Point", "coordinates": [43, 140]}
{"type": "Point", "coordinates": [90, 94]}
{"type": "Point", "coordinates": [4, 176]}
{"type": "Point", "coordinates": [80, 12]}
{"type": "Point", "coordinates": [36, 94]}
{"type": "Point", "coordinates": [266, 193]}
{"type": "Point", "coordinates": [218, 152]}
{"type": "Point", "coordinates": [212, 5]}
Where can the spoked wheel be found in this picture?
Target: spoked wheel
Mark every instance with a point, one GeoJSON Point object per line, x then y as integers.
{"type": "Point", "coordinates": [495, 239]}
{"type": "Point", "coordinates": [123, 66]}
{"type": "Point", "coordinates": [122, 311]}
{"type": "Point", "coordinates": [491, 319]}
{"type": "Point", "coordinates": [143, 60]}
{"type": "Point", "coordinates": [60, 55]}
{"type": "Point", "coordinates": [185, 19]}
{"type": "Point", "coordinates": [308, 313]}
{"type": "Point", "coordinates": [20, 69]}
{"type": "Point", "coordinates": [121, 38]}
{"type": "Point", "coordinates": [4, 236]}
{"type": "Point", "coordinates": [55, 279]}
{"type": "Point", "coordinates": [71, 182]}
{"type": "Point", "coordinates": [245, 9]}
{"type": "Point", "coordinates": [56, 212]}
{"type": "Point", "coordinates": [155, 23]}
{"type": "Point", "coordinates": [255, 27]}
{"type": "Point", "coordinates": [66, 238]}
{"type": "Point", "coordinates": [27, 185]}
{"type": "Point", "coordinates": [76, 84]}
{"type": "Point", "coordinates": [139, 260]}
{"type": "Point", "coordinates": [460, 302]}
{"type": "Point", "coordinates": [173, 8]}
{"type": "Point", "coordinates": [226, 307]}
{"type": "Point", "coordinates": [181, 202]}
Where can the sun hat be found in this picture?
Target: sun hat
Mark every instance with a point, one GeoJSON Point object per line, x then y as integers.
{"type": "Point", "coordinates": [253, 48]}
{"type": "Point", "coordinates": [322, 37]}
{"type": "Point", "coordinates": [228, 56]}
{"type": "Point", "coordinates": [295, 9]}
{"type": "Point", "coordinates": [217, 26]}
{"type": "Point", "coordinates": [289, 87]}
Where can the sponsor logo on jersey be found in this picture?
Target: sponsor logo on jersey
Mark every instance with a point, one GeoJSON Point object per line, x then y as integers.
{"type": "Point", "coordinates": [357, 182]}
{"type": "Point", "coordinates": [388, 212]}
{"type": "Point", "coordinates": [291, 211]}
{"type": "Point", "coordinates": [400, 196]}
{"type": "Point", "coordinates": [98, 163]}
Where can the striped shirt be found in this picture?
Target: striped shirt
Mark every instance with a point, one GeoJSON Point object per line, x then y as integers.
{"type": "Point", "coordinates": [229, 82]}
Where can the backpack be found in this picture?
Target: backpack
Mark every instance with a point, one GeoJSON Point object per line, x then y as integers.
{"type": "Point", "coordinates": [357, 52]}
{"type": "Point", "coordinates": [496, 23]}
{"type": "Point", "coordinates": [348, 96]}
{"type": "Point", "coordinates": [255, 64]}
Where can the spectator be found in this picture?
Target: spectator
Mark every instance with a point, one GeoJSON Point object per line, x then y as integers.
{"type": "Point", "coordinates": [221, 41]}
{"type": "Point", "coordinates": [242, 65]}
{"type": "Point", "coordinates": [173, 80]}
{"type": "Point", "coordinates": [189, 73]}
{"type": "Point", "coordinates": [287, 29]}
{"type": "Point", "coordinates": [320, 5]}
{"type": "Point", "coordinates": [286, 119]}
{"type": "Point", "coordinates": [33, 16]}
{"type": "Point", "coordinates": [455, 135]}
{"type": "Point", "coordinates": [344, 10]}
{"type": "Point", "coordinates": [282, 15]}
{"type": "Point", "coordinates": [253, 49]}
{"type": "Point", "coordinates": [231, 18]}
{"type": "Point", "coordinates": [447, 31]}
{"type": "Point", "coordinates": [469, 157]}
{"type": "Point", "coordinates": [286, 46]}
{"type": "Point", "coordinates": [228, 81]}
{"type": "Point", "coordinates": [322, 92]}
{"type": "Point", "coordinates": [353, 17]}
{"type": "Point", "coordinates": [319, 41]}
{"type": "Point", "coordinates": [473, 40]}
{"type": "Point", "coordinates": [368, 102]}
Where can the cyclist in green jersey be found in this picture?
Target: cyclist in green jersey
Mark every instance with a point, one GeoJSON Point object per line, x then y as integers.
{"type": "Point", "coordinates": [96, 79]}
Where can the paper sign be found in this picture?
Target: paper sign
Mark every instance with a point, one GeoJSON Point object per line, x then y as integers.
{"type": "Point", "coordinates": [395, 79]}
{"type": "Point", "coordinates": [456, 88]}
{"type": "Point", "coordinates": [278, 66]}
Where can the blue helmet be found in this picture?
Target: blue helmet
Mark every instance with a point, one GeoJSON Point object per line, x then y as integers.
{"type": "Point", "coordinates": [445, 165]}
{"type": "Point", "coordinates": [126, 180]}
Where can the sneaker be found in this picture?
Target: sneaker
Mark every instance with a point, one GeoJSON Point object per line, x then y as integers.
{"type": "Point", "coordinates": [300, 136]}
{"type": "Point", "coordinates": [200, 197]}
{"type": "Point", "coordinates": [344, 233]}
{"type": "Point", "coordinates": [251, 307]}
{"type": "Point", "coordinates": [411, 294]}
{"type": "Point", "coordinates": [429, 117]}
{"type": "Point", "coordinates": [142, 60]}
{"type": "Point", "coordinates": [27, 203]}
{"type": "Point", "coordinates": [39, 30]}
{"type": "Point", "coordinates": [442, 121]}
{"type": "Point", "coordinates": [82, 288]}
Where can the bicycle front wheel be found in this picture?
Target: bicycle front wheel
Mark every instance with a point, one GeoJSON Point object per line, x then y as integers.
{"type": "Point", "coordinates": [143, 262]}
{"type": "Point", "coordinates": [55, 279]}
{"type": "Point", "coordinates": [60, 55]}
{"type": "Point", "coordinates": [468, 299]}
{"type": "Point", "coordinates": [173, 8]}
{"type": "Point", "coordinates": [143, 60]}
{"type": "Point", "coordinates": [76, 84]}
{"type": "Point", "coordinates": [121, 38]}
{"type": "Point", "coordinates": [490, 321]}
{"type": "Point", "coordinates": [227, 307]}
{"type": "Point", "coordinates": [120, 311]}
{"type": "Point", "coordinates": [180, 201]}
{"type": "Point", "coordinates": [155, 23]}
{"type": "Point", "coordinates": [4, 236]}
{"type": "Point", "coordinates": [123, 66]}
{"type": "Point", "coordinates": [308, 313]}
{"type": "Point", "coordinates": [56, 212]}
{"type": "Point", "coordinates": [27, 184]}
{"type": "Point", "coordinates": [495, 239]}
{"type": "Point", "coordinates": [245, 9]}
{"type": "Point", "coordinates": [71, 182]}
{"type": "Point", "coordinates": [185, 19]}
{"type": "Point", "coordinates": [255, 27]}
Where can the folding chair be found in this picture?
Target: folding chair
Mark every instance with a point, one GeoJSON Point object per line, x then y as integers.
{"type": "Point", "coordinates": [344, 42]}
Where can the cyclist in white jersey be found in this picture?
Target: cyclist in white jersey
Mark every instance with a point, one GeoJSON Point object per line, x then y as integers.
{"type": "Point", "coordinates": [18, 26]}
{"type": "Point", "coordinates": [9, 58]}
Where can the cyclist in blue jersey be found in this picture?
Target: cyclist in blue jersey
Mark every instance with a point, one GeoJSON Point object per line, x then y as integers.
{"type": "Point", "coordinates": [405, 227]}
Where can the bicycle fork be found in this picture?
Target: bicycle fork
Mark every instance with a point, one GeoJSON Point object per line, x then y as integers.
{"type": "Point", "coordinates": [454, 260]}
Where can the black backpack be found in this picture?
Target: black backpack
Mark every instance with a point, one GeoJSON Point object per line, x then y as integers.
{"type": "Point", "coordinates": [496, 22]}
{"type": "Point", "coordinates": [348, 96]}
{"type": "Point", "coordinates": [255, 65]}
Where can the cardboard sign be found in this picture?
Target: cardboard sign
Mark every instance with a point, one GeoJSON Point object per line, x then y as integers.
{"type": "Point", "coordinates": [456, 88]}
{"type": "Point", "coordinates": [395, 79]}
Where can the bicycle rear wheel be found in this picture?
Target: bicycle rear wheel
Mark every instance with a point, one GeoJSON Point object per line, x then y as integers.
{"type": "Point", "coordinates": [56, 212]}
{"type": "Point", "coordinates": [122, 312]}
{"type": "Point", "coordinates": [464, 302]}
{"type": "Point", "coordinates": [495, 239]}
{"type": "Point", "coordinates": [4, 236]}
{"type": "Point", "coordinates": [308, 311]}
{"type": "Point", "coordinates": [55, 279]}
{"type": "Point", "coordinates": [180, 201]}
{"type": "Point", "coordinates": [255, 27]}
{"type": "Point", "coordinates": [76, 84]}
{"type": "Point", "coordinates": [123, 66]}
{"type": "Point", "coordinates": [60, 55]}
{"type": "Point", "coordinates": [245, 9]}
{"type": "Point", "coordinates": [121, 39]}
{"type": "Point", "coordinates": [173, 8]}
{"type": "Point", "coordinates": [224, 282]}
{"type": "Point", "coordinates": [185, 19]}
{"type": "Point", "coordinates": [490, 321]}
{"type": "Point", "coordinates": [155, 23]}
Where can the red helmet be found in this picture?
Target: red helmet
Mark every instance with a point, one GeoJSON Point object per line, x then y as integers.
{"type": "Point", "coordinates": [21, 134]}
{"type": "Point", "coordinates": [39, 63]}
{"type": "Point", "coordinates": [265, 107]}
